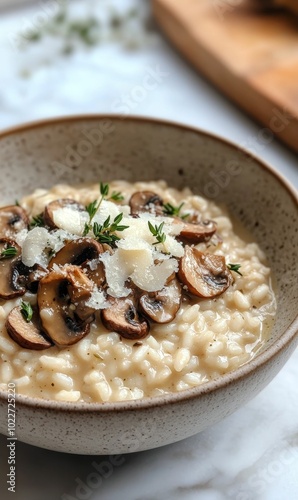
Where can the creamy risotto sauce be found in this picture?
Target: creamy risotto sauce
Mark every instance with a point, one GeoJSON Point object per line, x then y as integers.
{"type": "Point", "coordinates": [207, 338]}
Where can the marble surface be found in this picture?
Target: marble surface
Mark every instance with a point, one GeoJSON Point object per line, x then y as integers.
{"type": "Point", "coordinates": [251, 455]}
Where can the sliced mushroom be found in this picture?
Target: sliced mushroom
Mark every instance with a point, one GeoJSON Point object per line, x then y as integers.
{"type": "Point", "coordinates": [77, 252]}
{"type": "Point", "coordinates": [84, 312]}
{"type": "Point", "coordinates": [205, 275]}
{"type": "Point", "coordinates": [55, 205]}
{"type": "Point", "coordinates": [196, 230]}
{"type": "Point", "coordinates": [55, 297]}
{"type": "Point", "coordinates": [162, 306]}
{"type": "Point", "coordinates": [36, 273]}
{"type": "Point", "coordinates": [122, 317]}
{"type": "Point", "coordinates": [12, 220]}
{"type": "Point", "coordinates": [11, 285]}
{"type": "Point", "coordinates": [26, 334]}
{"type": "Point", "coordinates": [80, 286]}
{"type": "Point", "coordinates": [80, 289]}
{"type": "Point", "coordinates": [146, 201]}
{"type": "Point", "coordinates": [82, 252]}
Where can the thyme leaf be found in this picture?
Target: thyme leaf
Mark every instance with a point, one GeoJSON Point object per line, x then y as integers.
{"type": "Point", "coordinates": [235, 268]}
{"type": "Point", "coordinates": [157, 232]}
{"type": "Point", "coordinates": [116, 196]}
{"type": "Point", "coordinates": [104, 189]}
{"type": "Point", "coordinates": [8, 252]}
{"type": "Point", "coordinates": [26, 311]}
{"type": "Point", "coordinates": [37, 221]}
{"type": "Point", "coordinates": [171, 210]}
{"type": "Point", "coordinates": [92, 209]}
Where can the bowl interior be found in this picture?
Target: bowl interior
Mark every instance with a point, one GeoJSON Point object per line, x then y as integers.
{"type": "Point", "coordinates": [89, 149]}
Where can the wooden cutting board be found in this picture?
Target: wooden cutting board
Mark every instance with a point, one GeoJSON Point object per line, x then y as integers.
{"type": "Point", "coordinates": [252, 56]}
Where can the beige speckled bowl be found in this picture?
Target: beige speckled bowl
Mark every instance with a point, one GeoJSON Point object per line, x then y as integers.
{"type": "Point", "coordinates": [98, 147]}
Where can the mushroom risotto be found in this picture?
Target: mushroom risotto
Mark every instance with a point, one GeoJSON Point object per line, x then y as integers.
{"type": "Point", "coordinates": [121, 291]}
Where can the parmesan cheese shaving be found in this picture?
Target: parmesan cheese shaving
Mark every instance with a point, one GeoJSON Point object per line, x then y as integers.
{"type": "Point", "coordinates": [139, 231]}
{"type": "Point", "coordinates": [154, 277]}
{"type": "Point", "coordinates": [93, 264]}
{"type": "Point", "coordinates": [21, 236]}
{"type": "Point", "coordinates": [172, 246]}
{"type": "Point", "coordinates": [107, 209]}
{"type": "Point", "coordinates": [33, 247]}
{"type": "Point", "coordinates": [138, 228]}
{"type": "Point", "coordinates": [135, 260]}
{"type": "Point", "coordinates": [39, 242]}
{"type": "Point", "coordinates": [57, 239]}
{"type": "Point", "coordinates": [116, 275]}
{"type": "Point", "coordinates": [70, 219]}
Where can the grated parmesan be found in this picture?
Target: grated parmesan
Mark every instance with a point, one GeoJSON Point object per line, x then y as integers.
{"type": "Point", "coordinates": [97, 300]}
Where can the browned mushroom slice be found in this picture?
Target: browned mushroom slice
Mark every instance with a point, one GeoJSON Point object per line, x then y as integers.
{"type": "Point", "coordinates": [26, 334]}
{"type": "Point", "coordinates": [146, 201]}
{"type": "Point", "coordinates": [12, 220]}
{"type": "Point", "coordinates": [205, 275]}
{"type": "Point", "coordinates": [195, 230]}
{"type": "Point", "coordinates": [55, 205]}
{"type": "Point", "coordinates": [84, 312]}
{"type": "Point", "coordinates": [82, 252]}
{"type": "Point", "coordinates": [10, 269]}
{"type": "Point", "coordinates": [80, 289]}
{"type": "Point", "coordinates": [97, 275]}
{"type": "Point", "coordinates": [162, 306]}
{"type": "Point", "coordinates": [80, 286]}
{"type": "Point", "coordinates": [57, 312]}
{"type": "Point", "coordinates": [36, 273]}
{"type": "Point", "coordinates": [122, 317]}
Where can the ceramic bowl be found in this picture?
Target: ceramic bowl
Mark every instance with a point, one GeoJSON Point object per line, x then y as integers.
{"type": "Point", "coordinates": [90, 148]}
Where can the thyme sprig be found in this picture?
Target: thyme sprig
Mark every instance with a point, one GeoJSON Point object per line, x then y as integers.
{"type": "Point", "coordinates": [8, 252]}
{"type": "Point", "coordinates": [26, 311]}
{"type": "Point", "coordinates": [116, 196]}
{"type": "Point", "coordinates": [157, 232]}
{"type": "Point", "coordinates": [37, 221]}
{"type": "Point", "coordinates": [171, 210]}
{"type": "Point", "coordinates": [86, 29]}
{"type": "Point", "coordinates": [93, 207]}
{"type": "Point", "coordinates": [235, 268]}
{"type": "Point", "coordinates": [105, 233]}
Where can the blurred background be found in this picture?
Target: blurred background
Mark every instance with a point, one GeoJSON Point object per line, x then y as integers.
{"type": "Point", "coordinates": [63, 57]}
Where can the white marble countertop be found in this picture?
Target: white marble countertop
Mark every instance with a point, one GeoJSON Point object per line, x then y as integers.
{"type": "Point", "coordinates": [251, 455]}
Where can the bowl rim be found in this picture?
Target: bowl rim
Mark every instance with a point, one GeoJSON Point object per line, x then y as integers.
{"type": "Point", "coordinates": [223, 381]}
